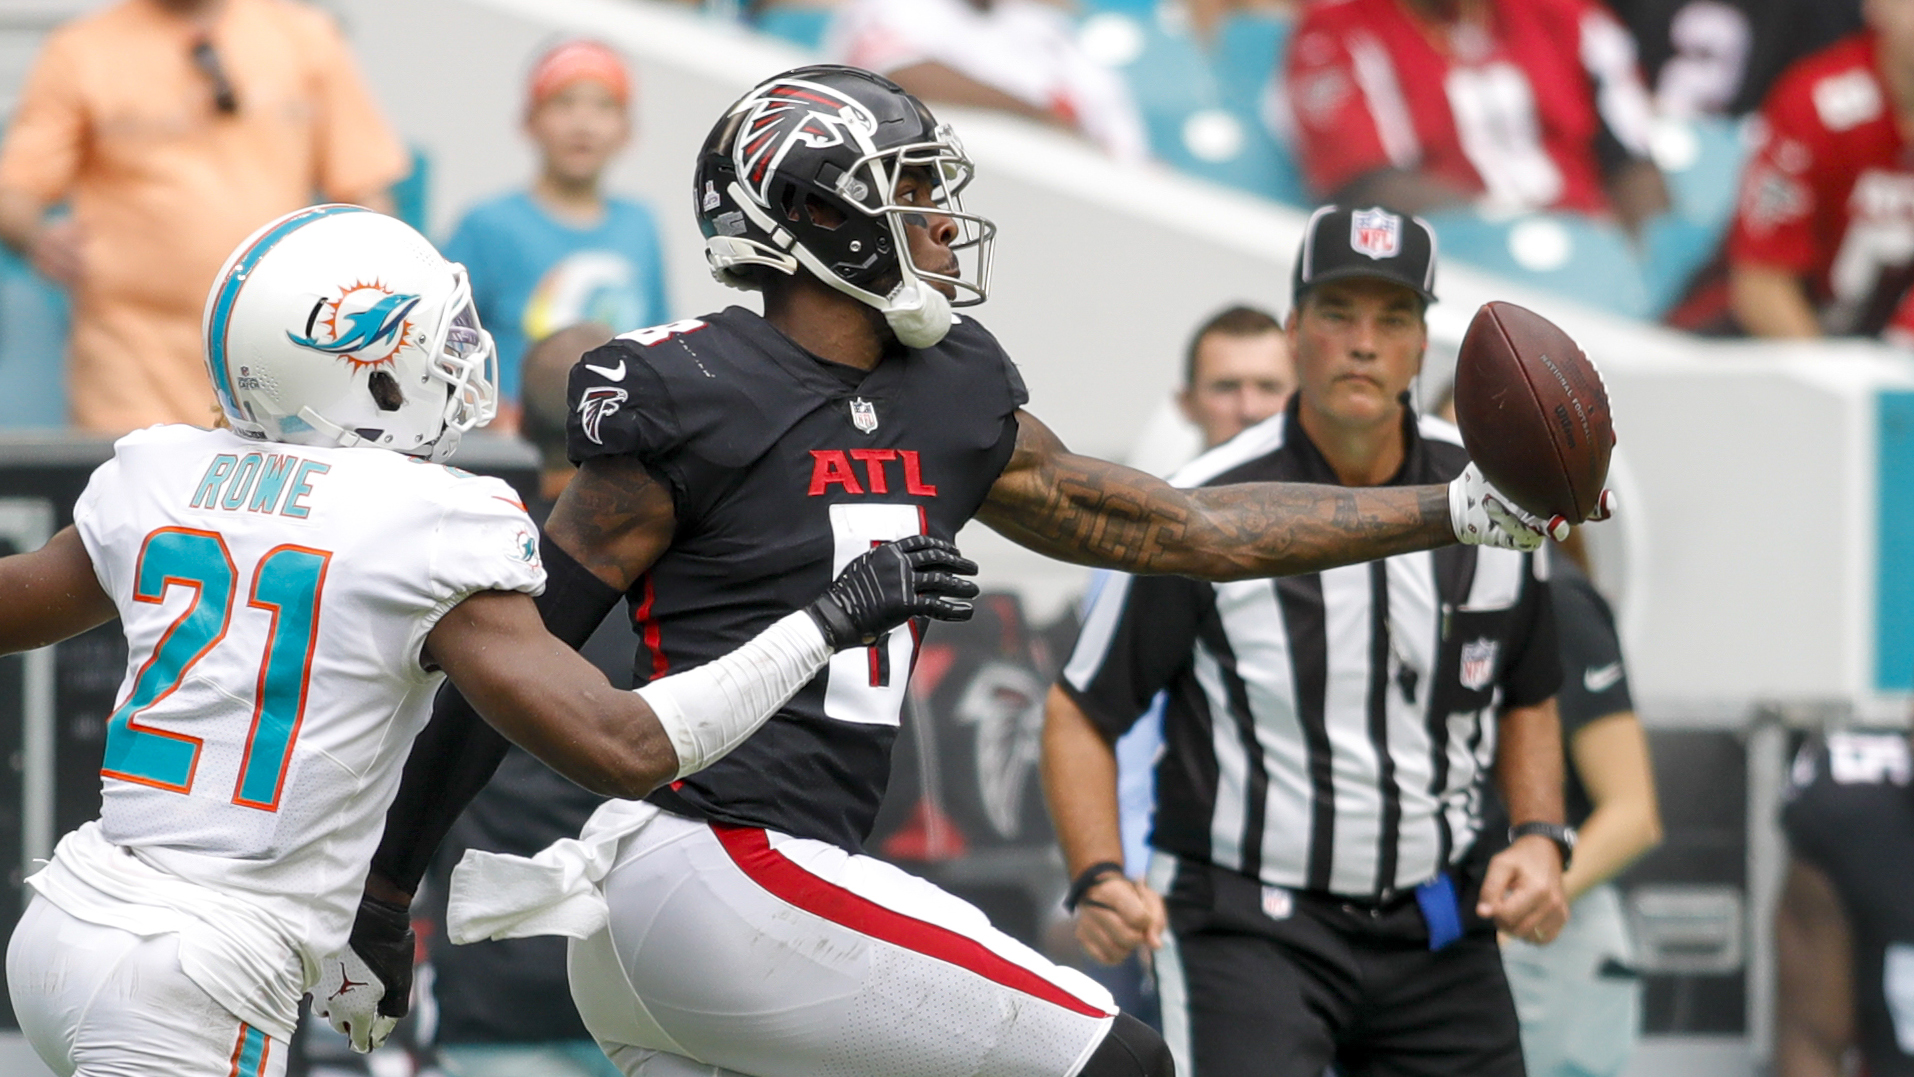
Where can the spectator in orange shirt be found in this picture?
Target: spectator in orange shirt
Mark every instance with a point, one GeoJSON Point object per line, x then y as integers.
{"type": "Point", "coordinates": [175, 128]}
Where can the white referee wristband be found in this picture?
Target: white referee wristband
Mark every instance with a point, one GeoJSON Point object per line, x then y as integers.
{"type": "Point", "coordinates": [710, 710]}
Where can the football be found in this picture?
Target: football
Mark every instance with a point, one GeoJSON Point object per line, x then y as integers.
{"type": "Point", "coordinates": [1533, 412]}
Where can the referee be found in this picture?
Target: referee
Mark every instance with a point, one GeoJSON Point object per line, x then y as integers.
{"type": "Point", "coordinates": [1328, 738]}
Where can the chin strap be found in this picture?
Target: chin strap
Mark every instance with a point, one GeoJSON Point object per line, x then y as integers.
{"type": "Point", "coordinates": [919, 314]}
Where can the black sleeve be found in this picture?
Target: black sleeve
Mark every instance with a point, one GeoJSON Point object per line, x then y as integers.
{"type": "Point", "coordinates": [1137, 633]}
{"type": "Point", "coordinates": [1534, 670]}
{"type": "Point", "coordinates": [456, 753]}
{"type": "Point", "coordinates": [1594, 678]}
{"type": "Point", "coordinates": [619, 406]}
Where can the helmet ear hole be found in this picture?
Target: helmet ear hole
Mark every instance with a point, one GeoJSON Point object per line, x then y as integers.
{"type": "Point", "coordinates": [823, 214]}
{"type": "Point", "coordinates": [385, 391]}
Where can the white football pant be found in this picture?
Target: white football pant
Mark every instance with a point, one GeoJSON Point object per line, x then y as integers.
{"type": "Point", "coordinates": [745, 950]}
{"type": "Point", "coordinates": [99, 1001]}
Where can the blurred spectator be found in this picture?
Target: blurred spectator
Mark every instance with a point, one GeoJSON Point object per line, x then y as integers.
{"type": "Point", "coordinates": [1236, 373]}
{"type": "Point", "coordinates": [563, 251]}
{"type": "Point", "coordinates": [1579, 998]}
{"type": "Point", "coordinates": [1720, 56]}
{"type": "Point", "coordinates": [505, 1008]}
{"type": "Point", "coordinates": [176, 127]}
{"type": "Point", "coordinates": [1540, 107]}
{"type": "Point", "coordinates": [1018, 56]}
{"type": "Point", "coordinates": [1844, 930]}
{"type": "Point", "coordinates": [1823, 237]}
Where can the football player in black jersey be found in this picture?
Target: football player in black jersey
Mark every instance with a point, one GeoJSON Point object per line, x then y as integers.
{"type": "Point", "coordinates": [1844, 928]}
{"type": "Point", "coordinates": [727, 465]}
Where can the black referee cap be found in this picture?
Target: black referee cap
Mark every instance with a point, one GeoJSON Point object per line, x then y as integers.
{"type": "Point", "coordinates": [1342, 243]}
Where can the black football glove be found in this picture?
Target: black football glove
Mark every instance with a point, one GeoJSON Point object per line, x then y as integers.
{"type": "Point", "coordinates": [915, 576]}
{"type": "Point", "coordinates": [366, 988]}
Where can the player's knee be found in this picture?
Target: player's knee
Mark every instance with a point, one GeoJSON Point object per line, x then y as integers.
{"type": "Point", "coordinates": [1130, 1049]}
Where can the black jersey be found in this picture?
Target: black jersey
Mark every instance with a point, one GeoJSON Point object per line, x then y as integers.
{"type": "Point", "coordinates": [784, 467]}
{"type": "Point", "coordinates": [1850, 813]}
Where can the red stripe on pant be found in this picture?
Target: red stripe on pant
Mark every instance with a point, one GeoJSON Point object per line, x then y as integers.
{"type": "Point", "coordinates": [751, 850]}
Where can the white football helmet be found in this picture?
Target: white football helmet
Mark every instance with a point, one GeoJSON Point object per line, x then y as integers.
{"type": "Point", "coordinates": [336, 325]}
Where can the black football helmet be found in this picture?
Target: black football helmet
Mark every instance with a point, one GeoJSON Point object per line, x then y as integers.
{"type": "Point", "coordinates": [803, 171]}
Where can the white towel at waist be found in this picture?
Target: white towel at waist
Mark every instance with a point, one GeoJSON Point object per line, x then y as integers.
{"type": "Point", "coordinates": [495, 896]}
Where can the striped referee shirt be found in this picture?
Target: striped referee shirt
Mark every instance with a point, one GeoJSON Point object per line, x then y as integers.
{"type": "Point", "coordinates": [1329, 732]}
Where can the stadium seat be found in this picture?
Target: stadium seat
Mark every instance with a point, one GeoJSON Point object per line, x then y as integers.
{"type": "Point", "coordinates": [804, 27]}
{"type": "Point", "coordinates": [1584, 258]}
{"type": "Point", "coordinates": [33, 323]}
{"type": "Point", "coordinates": [1201, 106]}
{"type": "Point", "coordinates": [409, 194]}
{"type": "Point", "coordinates": [1702, 160]}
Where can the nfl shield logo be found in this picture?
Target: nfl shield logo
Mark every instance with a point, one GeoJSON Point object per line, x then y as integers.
{"type": "Point", "coordinates": [1376, 233]}
{"type": "Point", "coordinates": [863, 415]}
{"type": "Point", "coordinates": [1478, 663]}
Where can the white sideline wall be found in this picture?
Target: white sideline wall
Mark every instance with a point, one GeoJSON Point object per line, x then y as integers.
{"type": "Point", "coordinates": [1745, 561]}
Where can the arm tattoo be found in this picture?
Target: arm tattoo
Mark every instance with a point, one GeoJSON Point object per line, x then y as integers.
{"type": "Point", "coordinates": [615, 518]}
{"type": "Point", "coordinates": [1091, 512]}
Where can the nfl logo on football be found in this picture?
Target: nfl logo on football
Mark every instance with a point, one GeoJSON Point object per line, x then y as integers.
{"type": "Point", "coordinates": [1376, 233]}
{"type": "Point", "coordinates": [1478, 663]}
{"type": "Point", "coordinates": [864, 415]}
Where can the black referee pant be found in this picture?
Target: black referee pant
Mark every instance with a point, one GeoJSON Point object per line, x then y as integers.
{"type": "Point", "coordinates": [1275, 983]}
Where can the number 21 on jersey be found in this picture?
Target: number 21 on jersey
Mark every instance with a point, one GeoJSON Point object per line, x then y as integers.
{"type": "Point", "coordinates": [286, 583]}
{"type": "Point", "coordinates": [867, 684]}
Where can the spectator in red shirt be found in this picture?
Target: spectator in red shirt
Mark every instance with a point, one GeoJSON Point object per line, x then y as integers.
{"type": "Point", "coordinates": [1823, 237]}
{"type": "Point", "coordinates": [1509, 105]}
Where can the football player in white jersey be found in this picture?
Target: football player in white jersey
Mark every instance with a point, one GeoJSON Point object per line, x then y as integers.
{"type": "Point", "coordinates": [293, 594]}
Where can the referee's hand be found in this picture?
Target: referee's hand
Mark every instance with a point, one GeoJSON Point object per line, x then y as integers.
{"type": "Point", "coordinates": [1117, 915]}
{"type": "Point", "coordinates": [1522, 891]}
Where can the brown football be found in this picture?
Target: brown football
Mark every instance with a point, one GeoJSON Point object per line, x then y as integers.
{"type": "Point", "coordinates": [1533, 412]}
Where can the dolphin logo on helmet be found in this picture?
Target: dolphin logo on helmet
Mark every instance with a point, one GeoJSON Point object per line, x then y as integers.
{"type": "Point", "coordinates": [419, 370]}
{"type": "Point", "coordinates": [378, 325]}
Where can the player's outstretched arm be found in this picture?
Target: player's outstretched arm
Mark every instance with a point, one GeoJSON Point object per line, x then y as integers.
{"type": "Point", "coordinates": [1091, 512]}
{"type": "Point", "coordinates": [50, 594]}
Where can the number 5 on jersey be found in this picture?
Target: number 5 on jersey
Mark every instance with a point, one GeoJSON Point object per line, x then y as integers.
{"type": "Point", "coordinates": [867, 684]}
{"type": "Point", "coordinates": [286, 583]}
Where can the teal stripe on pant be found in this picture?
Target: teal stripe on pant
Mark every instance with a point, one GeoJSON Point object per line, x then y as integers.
{"type": "Point", "coordinates": [249, 1056]}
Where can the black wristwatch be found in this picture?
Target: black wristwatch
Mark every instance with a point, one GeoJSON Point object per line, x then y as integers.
{"type": "Point", "coordinates": [1562, 836]}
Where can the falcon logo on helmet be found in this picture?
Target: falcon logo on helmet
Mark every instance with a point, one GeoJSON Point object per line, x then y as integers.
{"type": "Point", "coordinates": [827, 170]}
{"type": "Point", "coordinates": [790, 114]}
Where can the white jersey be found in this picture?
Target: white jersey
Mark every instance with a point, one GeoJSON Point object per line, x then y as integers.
{"type": "Point", "coordinates": [275, 599]}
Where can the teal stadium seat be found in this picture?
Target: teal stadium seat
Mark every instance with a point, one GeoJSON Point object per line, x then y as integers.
{"type": "Point", "coordinates": [409, 194]}
{"type": "Point", "coordinates": [804, 27]}
{"type": "Point", "coordinates": [33, 323]}
{"type": "Point", "coordinates": [1201, 106]}
{"type": "Point", "coordinates": [1583, 258]}
{"type": "Point", "coordinates": [1702, 160]}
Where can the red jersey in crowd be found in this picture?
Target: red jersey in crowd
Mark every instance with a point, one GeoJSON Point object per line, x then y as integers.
{"type": "Point", "coordinates": [1527, 113]}
{"type": "Point", "coordinates": [1829, 192]}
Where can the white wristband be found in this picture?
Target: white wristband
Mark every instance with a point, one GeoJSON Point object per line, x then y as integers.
{"type": "Point", "coordinates": [710, 710]}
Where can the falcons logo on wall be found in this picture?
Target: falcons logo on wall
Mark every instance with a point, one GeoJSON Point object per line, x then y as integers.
{"type": "Point", "coordinates": [787, 114]}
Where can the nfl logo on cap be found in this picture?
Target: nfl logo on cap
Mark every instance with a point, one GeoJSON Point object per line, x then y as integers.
{"type": "Point", "coordinates": [1376, 233]}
